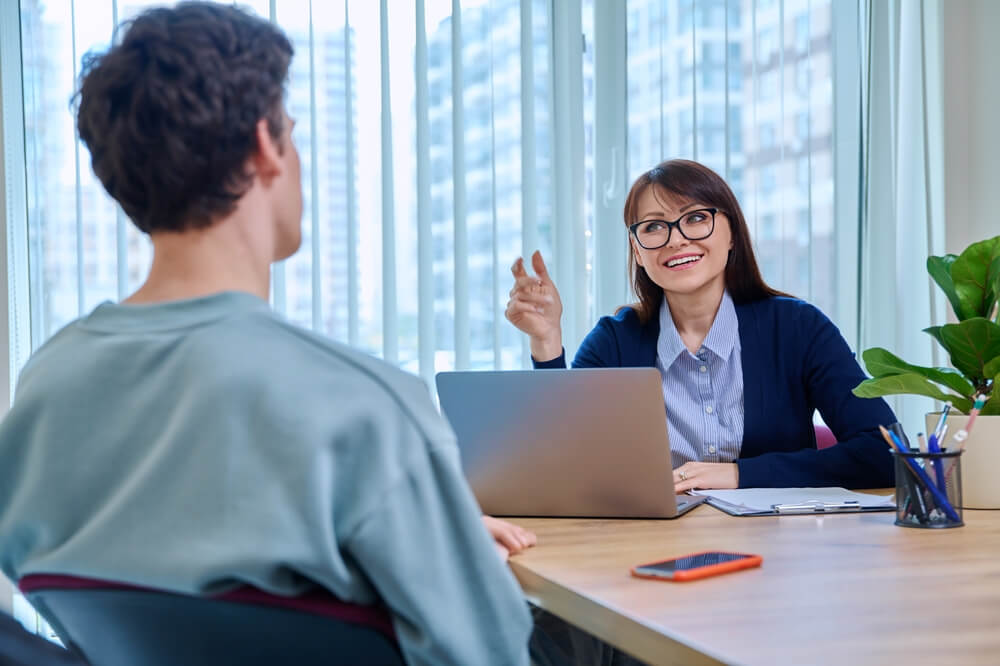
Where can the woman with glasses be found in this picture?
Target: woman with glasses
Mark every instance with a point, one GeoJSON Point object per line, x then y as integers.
{"type": "Point", "coordinates": [743, 365]}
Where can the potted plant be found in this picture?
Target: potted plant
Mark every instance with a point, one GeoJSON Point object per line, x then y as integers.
{"type": "Point", "coordinates": [971, 281]}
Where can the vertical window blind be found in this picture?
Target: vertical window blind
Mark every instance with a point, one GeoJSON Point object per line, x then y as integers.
{"type": "Point", "coordinates": [441, 139]}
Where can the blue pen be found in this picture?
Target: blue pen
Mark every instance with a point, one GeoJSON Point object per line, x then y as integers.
{"type": "Point", "coordinates": [941, 499]}
{"type": "Point", "coordinates": [939, 429]}
{"type": "Point", "coordinates": [933, 447]}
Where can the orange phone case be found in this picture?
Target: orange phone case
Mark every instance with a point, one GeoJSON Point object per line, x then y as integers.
{"type": "Point", "coordinates": [746, 562]}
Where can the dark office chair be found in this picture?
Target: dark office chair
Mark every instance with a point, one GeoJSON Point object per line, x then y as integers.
{"type": "Point", "coordinates": [21, 648]}
{"type": "Point", "coordinates": [114, 624]}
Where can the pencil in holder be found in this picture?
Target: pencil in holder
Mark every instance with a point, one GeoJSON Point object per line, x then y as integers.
{"type": "Point", "coordinates": [928, 489]}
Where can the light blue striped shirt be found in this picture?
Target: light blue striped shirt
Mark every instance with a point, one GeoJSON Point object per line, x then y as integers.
{"type": "Point", "coordinates": [703, 392]}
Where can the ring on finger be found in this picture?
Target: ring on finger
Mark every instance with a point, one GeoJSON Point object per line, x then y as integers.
{"type": "Point", "coordinates": [684, 476]}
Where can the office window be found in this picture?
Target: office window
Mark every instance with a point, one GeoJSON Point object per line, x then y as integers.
{"type": "Point", "coordinates": [769, 84]}
{"type": "Point", "coordinates": [767, 40]}
{"type": "Point", "coordinates": [802, 33]}
{"type": "Point", "coordinates": [357, 276]}
{"type": "Point", "coordinates": [735, 69]}
{"type": "Point", "coordinates": [802, 77]}
{"type": "Point", "coordinates": [711, 13]}
{"type": "Point", "coordinates": [768, 179]}
{"type": "Point", "coordinates": [802, 174]}
{"type": "Point", "coordinates": [773, 125]}
{"type": "Point", "coordinates": [802, 127]}
{"type": "Point", "coordinates": [803, 227]}
{"type": "Point", "coordinates": [768, 136]}
{"type": "Point", "coordinates": [769, 227]}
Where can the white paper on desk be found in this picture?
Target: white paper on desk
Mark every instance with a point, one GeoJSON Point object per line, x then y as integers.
{"type": "Point", "coordinates": [762, 500]}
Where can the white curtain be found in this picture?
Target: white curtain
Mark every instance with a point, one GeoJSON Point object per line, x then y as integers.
{"type": "Point", "coordinates": [902, 209]}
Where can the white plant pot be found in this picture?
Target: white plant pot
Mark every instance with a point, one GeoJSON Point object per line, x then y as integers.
{"type": "Point", "coordinates": [980, 461]}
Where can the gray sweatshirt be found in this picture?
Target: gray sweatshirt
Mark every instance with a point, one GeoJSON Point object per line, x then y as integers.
{"type": "Point", "coordinates": [196, 445]}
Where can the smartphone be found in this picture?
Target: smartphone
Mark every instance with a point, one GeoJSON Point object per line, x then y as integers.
{"type": "Point", "coordinates": [697, 565]}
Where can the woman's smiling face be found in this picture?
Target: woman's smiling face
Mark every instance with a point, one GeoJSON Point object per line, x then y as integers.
{"type": "Point", "coordinates": [682, 266]}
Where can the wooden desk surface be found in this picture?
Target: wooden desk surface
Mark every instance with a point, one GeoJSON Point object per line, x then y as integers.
{"type": "Point", "coordinates": [845, 589]}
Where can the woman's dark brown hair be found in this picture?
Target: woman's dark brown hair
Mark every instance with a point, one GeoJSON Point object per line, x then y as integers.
{"type": "Point", "coordinates": [696, 182]}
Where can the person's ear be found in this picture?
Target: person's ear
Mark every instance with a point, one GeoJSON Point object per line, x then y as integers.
{"type": "Point", "coordinates": [635, 251]}
{"type": "Point", "coordinates": [267, 158]}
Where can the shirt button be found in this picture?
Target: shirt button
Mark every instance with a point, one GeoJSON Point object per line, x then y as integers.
{"type": "Point", "coordinates": [711, 449]}
{"type": "Point", "coordinates": [704, 368]}
{"type": "Point", "coordinates": [708, 409]}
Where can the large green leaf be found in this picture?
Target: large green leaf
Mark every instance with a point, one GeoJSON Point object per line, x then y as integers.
{"type": "Point", "coordinates": [992, 407]}
{"type": "Point", "coordinates": [935, 332]}
{"type": "Point", "coordinates": [883, 363]}
{"type": "Point", "coordinates": [993, 277]}
{"type": "Point", "coordinates": [909, 384]}
{"type": "Point", "coordinates": [976, 276]}
{"type": "Point", "coordinates": [972, 344]}
{"type": "Point", "coordinates": [940, 270]}
{"type": "Point", "coordinates": [993, 285]}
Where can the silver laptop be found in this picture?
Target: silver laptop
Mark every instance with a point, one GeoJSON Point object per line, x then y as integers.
{"type": "Point", "coordinates": [564, 443]}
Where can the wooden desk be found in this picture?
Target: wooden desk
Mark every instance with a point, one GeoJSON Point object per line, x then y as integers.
{"type": "Point", "coordinates": [843, 589]}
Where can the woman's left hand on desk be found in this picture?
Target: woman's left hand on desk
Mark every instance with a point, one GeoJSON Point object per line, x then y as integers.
{"type": "Point", "coordinates": [704, 475]}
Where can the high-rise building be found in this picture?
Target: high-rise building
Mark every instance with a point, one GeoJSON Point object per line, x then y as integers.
{"type": "Point", "coordinates": [324, 185]}
{"type": "Point", "coordinates": [491, 111]}
{"type": "Point", "coordinates": [745, 87]}
{"type": "Point", "coordinates": [788, 125]}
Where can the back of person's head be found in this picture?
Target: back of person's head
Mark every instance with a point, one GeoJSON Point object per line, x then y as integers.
{"type": "Point", "coordinates": [693, 181]}
{"type": "Point", "coordinates": [170, 112]}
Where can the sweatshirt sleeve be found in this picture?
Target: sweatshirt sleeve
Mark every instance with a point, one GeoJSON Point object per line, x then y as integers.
{"type": "Point", "coordinates": [860, 459]}
{"type": "Point", "coordinates": [427, 553]}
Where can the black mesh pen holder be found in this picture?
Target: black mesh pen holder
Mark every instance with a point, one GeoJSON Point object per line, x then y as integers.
{"type": "Point", "coordinates": [929, 489]}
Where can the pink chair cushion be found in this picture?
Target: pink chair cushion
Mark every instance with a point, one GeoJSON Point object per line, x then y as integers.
{"type": "Point", "coordinates": [824, 437]}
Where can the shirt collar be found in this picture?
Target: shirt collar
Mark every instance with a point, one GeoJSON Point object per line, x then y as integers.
{"type": "Point", "coordinates": [721, 338]}
{"type": "Point", "coordinates": [169, 315]}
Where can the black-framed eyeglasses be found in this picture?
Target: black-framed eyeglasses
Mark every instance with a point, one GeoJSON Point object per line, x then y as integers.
{"type": "Point", "coordinates": [693, 225]}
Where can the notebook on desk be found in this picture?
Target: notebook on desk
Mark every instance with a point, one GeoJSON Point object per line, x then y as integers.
{"type": "Point", "coordinates": [786, 501]}
{"type": "Point", "coordinates": [564, 443]}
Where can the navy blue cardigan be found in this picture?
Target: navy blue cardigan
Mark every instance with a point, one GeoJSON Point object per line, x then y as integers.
{"type": "Point", "coordinates": [794, 361]}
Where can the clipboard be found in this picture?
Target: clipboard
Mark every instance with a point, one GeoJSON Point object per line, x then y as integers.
{"type": "Point", "coordinates": [794, 501]}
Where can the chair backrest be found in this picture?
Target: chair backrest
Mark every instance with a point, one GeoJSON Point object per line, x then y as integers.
{"type": "Point", "coordinates": [18, 646]}
{"type": "Point", "coordinates": [824, 437]}
{"type": "Point", "coordinates": [114, 624]}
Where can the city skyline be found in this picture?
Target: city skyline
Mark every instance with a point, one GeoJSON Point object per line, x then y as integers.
{"type": "Point", "coordinates": [777, 125]}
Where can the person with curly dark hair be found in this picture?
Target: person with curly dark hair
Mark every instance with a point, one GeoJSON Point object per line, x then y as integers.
{"type": "Point", "coordinates": [171, 117]}
{"type": "Point", "coordinates": [188, 438]}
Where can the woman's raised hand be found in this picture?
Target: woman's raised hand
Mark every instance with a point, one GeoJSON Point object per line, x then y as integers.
{"type": "Point", "coordinates": [535, 308]}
